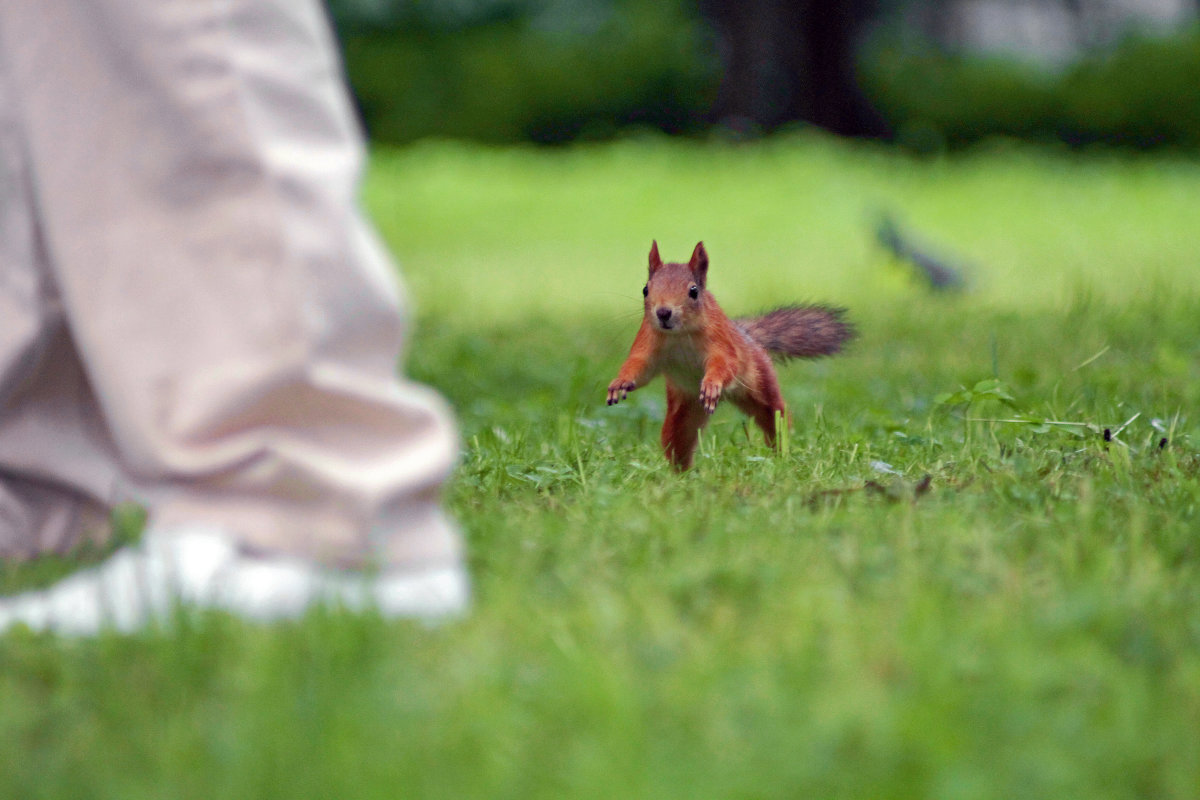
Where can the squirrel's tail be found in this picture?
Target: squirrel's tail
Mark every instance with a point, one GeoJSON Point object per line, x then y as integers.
{"type": "Point", "coordinates": [799, 331]}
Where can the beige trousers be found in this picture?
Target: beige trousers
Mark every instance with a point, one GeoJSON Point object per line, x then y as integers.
{"type": "Point", "coordinates": [193, 312]}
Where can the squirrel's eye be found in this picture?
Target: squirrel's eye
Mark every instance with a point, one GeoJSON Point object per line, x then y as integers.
{"type": "Point", "coordinates": [693, 291]}
{"type": "Point", "coordinates": [646, 290]}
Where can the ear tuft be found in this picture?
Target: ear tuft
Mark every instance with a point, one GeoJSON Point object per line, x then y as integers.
{"type": "Point", "coordinates": [655, 259]}
{"type": "Point", "coordinates": [699, 264]}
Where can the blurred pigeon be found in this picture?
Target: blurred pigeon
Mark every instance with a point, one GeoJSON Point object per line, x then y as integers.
{"type": "Point", "coordinates": [940, 275]}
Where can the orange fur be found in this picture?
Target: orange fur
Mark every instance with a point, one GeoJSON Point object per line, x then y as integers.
{"type": "Point", "coordinates": [703, 355]}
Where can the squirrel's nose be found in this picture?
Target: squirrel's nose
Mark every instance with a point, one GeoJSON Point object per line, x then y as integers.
{"type": "Point", "coordinates": [664, 314]}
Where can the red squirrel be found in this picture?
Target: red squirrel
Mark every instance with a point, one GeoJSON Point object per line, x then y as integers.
{"type": "Point", "coordinates": [704, 355]}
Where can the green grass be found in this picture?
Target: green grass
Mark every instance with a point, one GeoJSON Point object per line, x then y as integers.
{"type": "Point", "coordinates": [830, 623]}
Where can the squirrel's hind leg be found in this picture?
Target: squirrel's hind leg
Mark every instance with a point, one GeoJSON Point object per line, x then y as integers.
{"type": "Point", "coordinates": [681, 428]}
{"type": "Point", "coordinates": [764, 416]}
{"type": "Point", "coordinates": [762, 405]}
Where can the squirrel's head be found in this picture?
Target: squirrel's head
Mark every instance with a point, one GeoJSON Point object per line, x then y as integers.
{"type": "Point", "coordinates": [675, 292]}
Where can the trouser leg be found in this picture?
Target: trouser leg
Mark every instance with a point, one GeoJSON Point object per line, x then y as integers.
{"type": "Point", "coordinates": [196, 166]}
{"type": "Point", "coordinates": [43, 395]}
{"type": "Point", "coordinates": [38, 518]}
{"type": "Point", "coordinates": [59, 475]}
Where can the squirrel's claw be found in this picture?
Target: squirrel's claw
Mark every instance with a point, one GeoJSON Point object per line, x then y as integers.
{"type": "Point", "coordinates": [710, 394]}
{"type": "Point", "coordinates": [618, 390]}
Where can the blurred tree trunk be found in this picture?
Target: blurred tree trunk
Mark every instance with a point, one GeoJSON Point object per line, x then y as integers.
{"type": "Point", "coordinates": [792, 60]}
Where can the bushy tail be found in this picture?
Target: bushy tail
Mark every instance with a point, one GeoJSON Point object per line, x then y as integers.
{"type": "Point", "coordinates": [799, 331]}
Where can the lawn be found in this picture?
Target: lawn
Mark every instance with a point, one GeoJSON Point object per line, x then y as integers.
{"type": "Point", "coordinates": [975, 573]}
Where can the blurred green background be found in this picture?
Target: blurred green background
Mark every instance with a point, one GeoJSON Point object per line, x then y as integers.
{"type": "Point", "coordinates": [930, 75]}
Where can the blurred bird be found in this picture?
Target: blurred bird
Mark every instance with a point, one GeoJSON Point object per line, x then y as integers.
{"type": "Point", "coordinates": [934, 270]}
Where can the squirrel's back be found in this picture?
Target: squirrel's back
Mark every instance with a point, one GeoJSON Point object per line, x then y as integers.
{"type": "Point", "coordinates": [799, 331]}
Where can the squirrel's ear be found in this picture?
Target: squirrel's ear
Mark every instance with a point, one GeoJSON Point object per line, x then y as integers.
{"type": "Point", "coordinates": [655, 259]}
{"type": "Point", "coordinates": [699, 263]}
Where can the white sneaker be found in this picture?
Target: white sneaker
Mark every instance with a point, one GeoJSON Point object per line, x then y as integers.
{"type": "Point", "coordinates": [200, 567]}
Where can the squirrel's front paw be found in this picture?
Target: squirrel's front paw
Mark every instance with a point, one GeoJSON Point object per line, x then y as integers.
{"type": "Point", "coordinates": [710, 393]}
{"type": "Point", "coordinates": [618, 390]}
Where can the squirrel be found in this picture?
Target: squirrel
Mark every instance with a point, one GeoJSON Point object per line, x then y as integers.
{"type": "Point", "coordinates": [704, 355]}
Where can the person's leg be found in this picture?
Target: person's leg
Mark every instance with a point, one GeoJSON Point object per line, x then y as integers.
{"type": "Point", "coordinates": [195, 164]}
